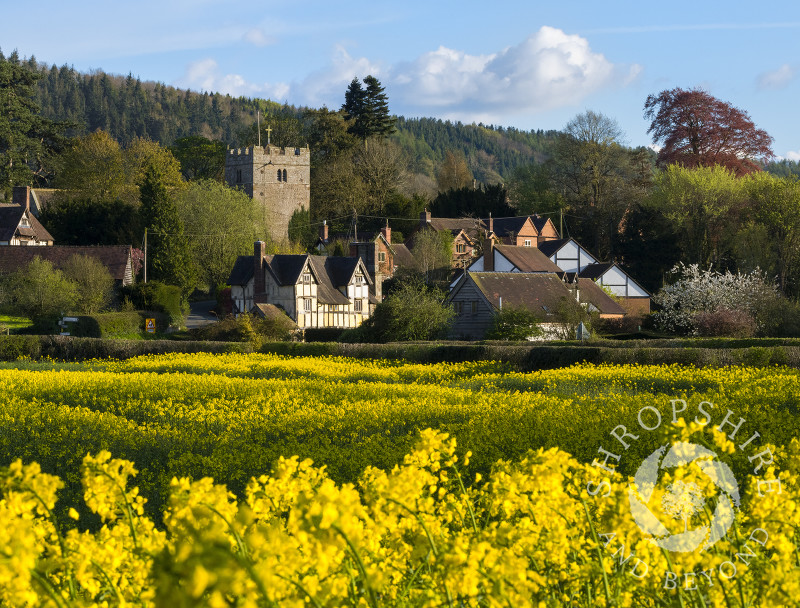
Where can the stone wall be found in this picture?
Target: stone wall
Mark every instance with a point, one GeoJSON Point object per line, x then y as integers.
{"type": "Point", "coordinates": [278, 178]}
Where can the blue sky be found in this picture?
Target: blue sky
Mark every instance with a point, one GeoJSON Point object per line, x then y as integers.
{"type": "Point", "coordinates": [526, 64]}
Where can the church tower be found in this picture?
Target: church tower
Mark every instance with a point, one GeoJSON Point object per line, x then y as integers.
{"type": "Point", "coordinates": [278, 178]}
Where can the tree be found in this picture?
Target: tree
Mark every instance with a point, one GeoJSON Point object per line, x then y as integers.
{"type": "Point", "coordinates": [696, 129]}
{"type": "Point", "coordinates": [433, 254]}
{"type": "Point", "coordinates": [532, 189]}
{"type": "Point", "coordinates": [28, 141]}
{"type": "Point", "coordinates": [142, 154]}
{"type": "Point", "coordinates": [220, 223]}
{"type": "Point", "coordinates": [367, 110]}
{"type": "Point", "coordinates": [592, 169]}
{"type": "Point", "coordinates": [92, 169]}
{"type": "Point", "coordinates": [200, 157]}
{"type": "Point", "coordinates": [453, 173]}
{"type": "Point", "coordinates": [411, 312]}
{"type": "Point", "coordinates": [41, 292]}
{"type": "Point", "coordinates": [94, 283]}
{"type": "Point", "coordinates": [168, 256]}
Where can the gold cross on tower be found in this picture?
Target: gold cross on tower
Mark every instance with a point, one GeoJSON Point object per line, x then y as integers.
{"type": "Point", "coordinates": [268, 130]}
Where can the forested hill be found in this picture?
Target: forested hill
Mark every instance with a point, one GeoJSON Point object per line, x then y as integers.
{"type": "Point", "coordinates": [127, 108]}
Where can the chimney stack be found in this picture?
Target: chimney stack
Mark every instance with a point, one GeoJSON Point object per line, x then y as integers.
{"type": "Point", "coordinates": [425, 218]}
{"type": "Point", "coordinates": [323, 231]}
{"type": "Point", "coordinates": [387, 233]}
{"type": "Point", "coordinates": [21, 195]}
{"type": "Point", "coordinates": [488, 255]}
{"type": "Point", "coordinates": [491, 223]}
{"type": "Point", "coordinates": [259, 285]}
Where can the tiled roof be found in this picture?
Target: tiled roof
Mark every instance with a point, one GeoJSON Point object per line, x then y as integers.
{"type": "Point", "coordinates": [592, 292]}
{"type": "Point", "coordinates": [527, 259]}
{"type": "Point", "coordinates": [541, 293]}
{"type": "Point", "coordinates": [114, 257]}
{"type": "Point", "coordinates": [469, 225]}
{"type": "Point", "coordinates": [402, 256]}
{"type": "Point", "coordinates": [593, 271]}
{"type": "Point", "coordinates": [507, 226]}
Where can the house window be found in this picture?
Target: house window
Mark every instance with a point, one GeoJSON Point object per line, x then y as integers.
{"type": "Point", "coordinates": [359, 279]}
{"type": "Point", "coordinates": [381, 256]}
{"type": "Point", "coordinates": [306, 304]}
{"type": "Point", "coordinates": [473, 308]}
{"type": "Point", "coordinates": [358, 305]}
{"type": "Point", "coordinates": [458, 307]}
{"type": "Point", "coordinates": [461, 248]}
{"type": "Point", "coordinates": [527, 242]}
{"type": "Point", "coordinates": [306, 278]}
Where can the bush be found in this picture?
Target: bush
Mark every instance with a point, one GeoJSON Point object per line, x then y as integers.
{"type": "Point", "coordinates": [246, 328]}
{"type": "Point", "coordinates": [514, 323]}
{"type": "Point", "coordinates": [158, 297]}
{"type": "Point", "coordinates": [725, 322]}
{"type": "Point", "coordinates": [117, 324]}
{"type": "Point", "coordinates": [412, 312]}
{"type": "Point", "coordinates": [780, 318]}
{"type": "Point", "coordinates": [95, 285]}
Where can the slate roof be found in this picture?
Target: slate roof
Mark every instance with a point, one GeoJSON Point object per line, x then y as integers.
{"type": "Point", "coordinates": [11, 216]}
{"type": "Point", "coordinates": [527, 259]}
{"type": "Point", "coordinates": [114, 257]}
{"type": "Point", "coordinates": [402, 256]}
{"type": "Point", "coordinates": [470, 225]}
{"type": "Point", "coordinates": [593, 271]}
{"type": "Point", "coordinates": [549, 247]}
{"type": "Point", "coordinates": [507, 226]}
{"type": "Point", "coordinates": [242, 270]}
{"type": "Point", "coordinates": [539, 222]}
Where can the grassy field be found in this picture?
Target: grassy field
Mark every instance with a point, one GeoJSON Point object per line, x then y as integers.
{"type": "Point", "coordinates": [234, 417]}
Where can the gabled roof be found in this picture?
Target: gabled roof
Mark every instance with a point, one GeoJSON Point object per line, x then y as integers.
{"type": "Point", "coordinates": [592, 292]}
{"type": "Point", "coordinates": [402, 255]}
{"type": "Point", "coordinates": [455, 225]}
{"type": "Point", "coordinates": [527, 259]}
{"type": "Point", "coordinates": [10, 217]}
{"type": "Point", "coordinates": [539, 222]}
{"type": "Point", "coordinates": [541, 293]}
{"type": "Point", "coordinates": [507, 226]}
{"type": "Point", "coordinates": [286, 268]}
{"type": "Point", "coordinates": [114, 257]}
{"type": "Point", "coordinates": [593, 271]}
{"type": "Point", "coordinates": [552, 246]}
{"type": "Point", "coordinates": [242, 271]}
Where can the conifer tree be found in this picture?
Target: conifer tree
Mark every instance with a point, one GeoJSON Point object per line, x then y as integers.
{"type": "Point", "coordinates": [168, 257]}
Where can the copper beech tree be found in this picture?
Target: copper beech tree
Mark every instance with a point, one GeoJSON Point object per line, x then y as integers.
{"type": "Point", "coordinates": [696, 129]}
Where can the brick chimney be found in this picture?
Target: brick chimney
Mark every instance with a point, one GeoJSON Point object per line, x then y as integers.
{"type": "Point", "coordinates": [323, 231]}
{"type": "Point", "coordinates": [425, 218]}
{"type": "Point", "coordinates": [21, 195]}
{"type": "Point", "coordinates": [387, 233]}
{"type": "Point", "coordinates": [259, 286]}
{"type": "Point", "coordinates": [488, 255]}
{"type": "Point", "coordinates": [491, 223]}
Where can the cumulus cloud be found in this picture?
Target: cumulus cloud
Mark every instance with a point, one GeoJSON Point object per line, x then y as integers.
{"type": "Point", "coordinates": [205, 75]}
{"type": "Point", "coordinates": [549, 69]}
{"type": "Point", "coordinates": [777, 79]}
{"type": "Point", "coordinates": [793, 156]}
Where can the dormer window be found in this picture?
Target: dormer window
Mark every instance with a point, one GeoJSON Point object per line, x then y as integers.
{"type": "Point", "coordinates": [306, 278]}
{"type": "Point", "coordinates": [359, 280]}
{"type": "Point", "coordinates": [24, 222]}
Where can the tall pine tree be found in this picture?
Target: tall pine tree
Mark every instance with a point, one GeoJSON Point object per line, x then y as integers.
{"type": "Point", "coordinates": [367, 109]}
{"type": "Point", "coordinates": [168, 257]}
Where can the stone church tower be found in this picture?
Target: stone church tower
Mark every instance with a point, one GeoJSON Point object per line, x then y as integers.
{"type": "Point", "coordinates": [278, 178]}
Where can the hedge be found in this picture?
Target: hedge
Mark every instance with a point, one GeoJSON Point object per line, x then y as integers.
{"type": "Point", "coordinates": [117, 324]}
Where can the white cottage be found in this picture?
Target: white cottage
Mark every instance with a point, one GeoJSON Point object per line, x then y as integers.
{"type": "Point", "coordinates": [314, 291]}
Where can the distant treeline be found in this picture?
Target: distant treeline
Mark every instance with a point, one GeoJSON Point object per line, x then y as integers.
{"type": "Point", "coordinates": [127, 108]}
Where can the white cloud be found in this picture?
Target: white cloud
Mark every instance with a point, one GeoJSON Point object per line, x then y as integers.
{"type": "Point", "coordinates": [258, 37]}
{"type": "Point", "coordinates": [777, 79]}
{"type": "Point", "coordinates": [205, 75]}
{"type": "Point", "coordinates": [793, 156]}
{"type": "Point", "coordinates": [549, 69]}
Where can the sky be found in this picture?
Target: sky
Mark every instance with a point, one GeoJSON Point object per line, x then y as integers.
{"type": "Point", "coordinates": [526, 64]}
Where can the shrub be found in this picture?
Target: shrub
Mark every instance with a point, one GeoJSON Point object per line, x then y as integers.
{"type": "Point", "coordinates": [246, 328]}
{"type": "Point", "coordinates": [41, 293]}
{"type": "Point", "coordinates": [157, 297]}
{"type": "Point", "coordinates": [95, 285]}
{"type": "Point", "coordinates": [724, 322]}
{"type": "Point", "coordinates": [514, 323]}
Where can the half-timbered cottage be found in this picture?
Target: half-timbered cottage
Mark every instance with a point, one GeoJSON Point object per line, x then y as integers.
{"type": "Point", "coordinates": [18, 225]}
{"type": "Point", "coordinates": [313, 290]}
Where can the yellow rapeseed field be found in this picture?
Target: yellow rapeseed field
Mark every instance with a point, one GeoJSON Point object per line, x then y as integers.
{"type": "Point", "coordinates": [259, 480]}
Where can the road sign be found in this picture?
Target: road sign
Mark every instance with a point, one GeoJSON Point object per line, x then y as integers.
{"type": "Point", "coordinates": [150, 326]}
